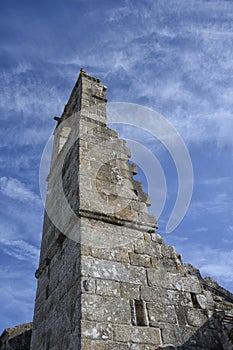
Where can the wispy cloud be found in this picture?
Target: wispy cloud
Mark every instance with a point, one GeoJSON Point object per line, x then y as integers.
{"type": "Point", "coordinates": [218, 181]}
{"type": "Point", "coordinates": [217, 263]}
{"type": "Point", "coordinates": [17, 294]}
{"type": "Point", "coordinates": [221, 203]}
{"type": "Point", "coordinates": [213, 262]}
{"type": "Point", "coordinates": [23, 91]}
{"type": "Point", "coordinates": [160, 56]}
{"type": "Point", "coordinates": [174, 58]}
{"type": "Point", "coordinates": [33, 135]}
{"type": "Point", "coordinates": [15, 189]}
{"type": "Point", "coordinates": [228, 239]}
{"type": "Point", "coordinates": [20, 250]}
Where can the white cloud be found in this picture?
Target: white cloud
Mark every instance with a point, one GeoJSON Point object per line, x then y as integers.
{"type": "Point", "coordinates": [215, 181]}
{"type": "Point", "coordinates": [212, 262]}
{"type": "Point", "coordinates": [20, 250]}
{"type": "Point", "coordinates": [185, 64]}
{"type": "Point", "coordinates": [28, 94]}
{"type": "Point", "coordinates": [33, 136]}
{"type": "Point", "coordinates": [17, 295]}
{"type": "Point", "coordinates": [15, 189]}
{"type": "Point", "coordinates": [218, 263]}
{"type": "Point", "coordinates": [200, 81]}
{"type": "Point", "coordinates": [221, 203]}
{"type": "Point", "coordinates": [22, 67]}
{"type": "Point", "coordinates": [228, 238]}
{"type": "Point", "coordinates": [200, 229]}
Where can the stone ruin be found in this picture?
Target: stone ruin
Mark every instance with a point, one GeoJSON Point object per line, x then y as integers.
{"type": "Point", "coordinates": [18, 337]}
{"type": "Point", "coordinates": [106, 279]}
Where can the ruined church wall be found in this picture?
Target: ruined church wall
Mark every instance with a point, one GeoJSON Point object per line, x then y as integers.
{"type": "Point", "coordinates": [106, 280]}
{"type": "Point", "coordinates": [56, 322]}
{"type": "Point", "coordinates": [140, 297]}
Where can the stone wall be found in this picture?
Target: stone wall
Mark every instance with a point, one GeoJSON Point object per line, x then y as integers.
{"type": "Point", "coordinates": [16, 338]}
{"type": "Point", "coordinates": [141, 297]}
{"type": "Point", "coordinates": [106, 280]}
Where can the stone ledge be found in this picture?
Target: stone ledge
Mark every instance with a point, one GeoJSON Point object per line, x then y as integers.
{"type": "Point", "coordinates": [141, 226]}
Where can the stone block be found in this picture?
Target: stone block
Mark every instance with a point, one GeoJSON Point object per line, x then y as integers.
{"type": "Point", "coordinates": [196, 318]}
{"type": "Point", "coordinates": [96, 330]}
{"type": "Point", "coordinates": [140, 259]}
{"type": "Point", "coordinates": [113, 270]}
{"type": "Point", "coordinates": [108, 288]}
{"type": "Point", "coordinates": [155, 262]}
{"type": "Point", "coordinates": [85, 249]}
{"type": "Point", "coordinates": [157, 278]}
{"type": "Point", "coordinates": [142, 246]}
{"type": "Point", "coordinates": [147, 237]}
{"type": "Point", "coordinates": [116, 254]}
{"type": "Point", "coordinates": [142, 347]}
{"type": "Point", "coordinates": [88, 285]}
{"type": "Point", "coordinates": [101, 235]}
{"type": "Point", "coordinates": [105, 309]}
{"type": "Point", "coordinates": [175, 334]}
{"type": "Point", "coordinates": [203, 300]}
{"type": "Point", "coordinates": [167, 297]}
{"type": "Point", "coordinates": [167, 264]}
{"type": "Point", "coordinates": [88, 344]}
{"type": "Point", "coordinates": [134, 334]}
{"type": "Point", "coordinates": [130, 290]}
{"type": "Point", "coordinates": [174, 281]}
{"type": "Point", "coordinates": [174, 297]}
{"type": "Point", "coordinates": [139, 246]}
{"type": "Point", "coordinates": [189, 284]}
{"type": "Point", "coordinates": [152, 294]}
{"type": "Point", "coordinates": [147, 218]}
{"type": "Point", "coordinates": [155, 237]}
{"type": "Point", "coordinates": [168, 251]}
{"type": "Point", "coordinates": [160, 312]}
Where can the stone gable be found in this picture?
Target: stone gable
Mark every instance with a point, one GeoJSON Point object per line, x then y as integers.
{"type": "Point", "coordinates": [106, 279]}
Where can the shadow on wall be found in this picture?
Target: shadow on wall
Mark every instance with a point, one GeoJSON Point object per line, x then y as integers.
{"type": "Point", "coordinates": [16, 338]}
{"type": "Point", "coordinates": [216, 334]}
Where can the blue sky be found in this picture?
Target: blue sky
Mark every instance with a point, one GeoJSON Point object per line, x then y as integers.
{"type": "Point", "coordinates": [173, 58]}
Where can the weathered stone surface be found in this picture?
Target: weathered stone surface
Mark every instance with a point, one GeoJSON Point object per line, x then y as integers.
{"type": "Point", "coordinates": [175, 297]}
{"type": "Point", "coordinates": [142, 347]}
{"type": "Point", "coordinates": [140, 259]}
{"type": "Point", "coordinates": [108, 288]}
{"type": "Point", "coordinates": [176, 334]}
{"type": "Point", "coordinates": [108, 241]}
{"type": "Point", "coordinates": [130, 291]}
{"type": "Point", "coordinates": [95, 330]}
{"type": "Point", "coordinates": [161, 313]}
{"type": "Point", "coordinates": [16, 338]}
{"type": "Point", "coordinates": [107, 280]}
{"type": "Point", "coordinates": [137, 334]}
{"type": "Point", "coordinates": [196, 318]}
{"type": "Point", "coordinates": [117, 254]}
{"type": "Point", "coordinates": [174, 281]}
{"type": "Point", "coordinates": [105, 309]}
{"type": "Point", "coordinates": [88, 285]}
{"type": "Point", "coordinates": [88, 344]}
{"type": "Point", "coordinates": [152, 294]}
{"type": "Point", "coordinates": [113, 270]}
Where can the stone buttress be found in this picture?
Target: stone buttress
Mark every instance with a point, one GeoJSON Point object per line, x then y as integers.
{"type": "Point", "coordinates": [106, 280]}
